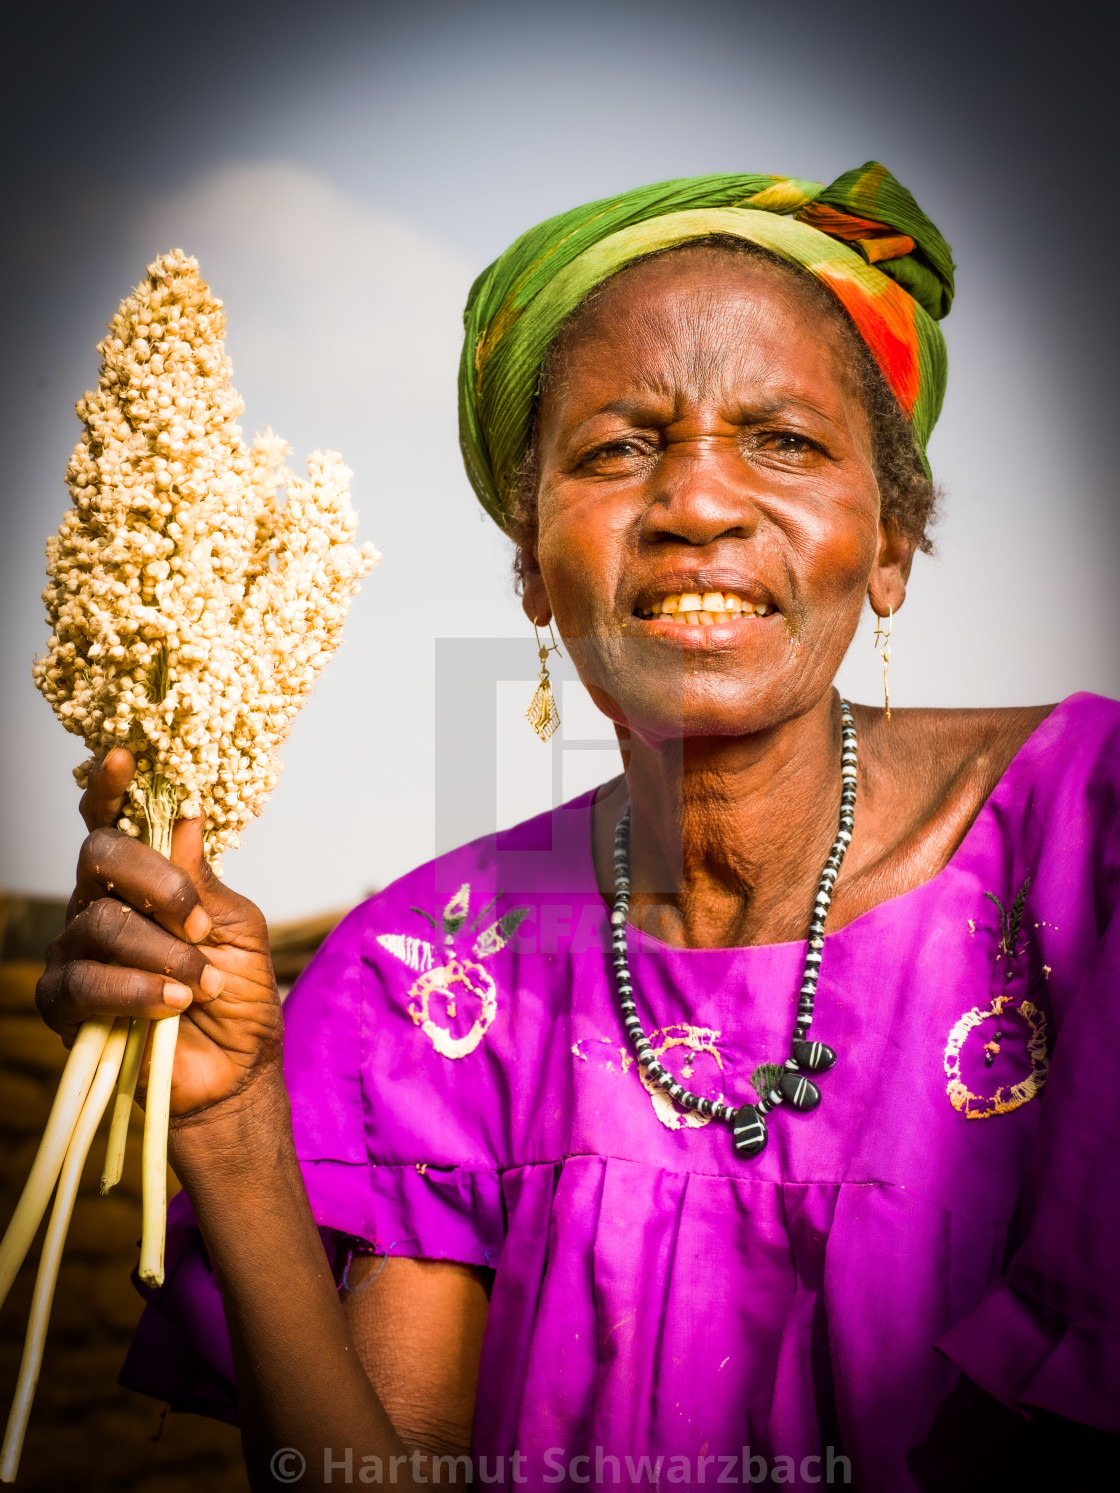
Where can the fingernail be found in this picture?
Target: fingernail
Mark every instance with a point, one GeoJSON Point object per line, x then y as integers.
{"type": "Point", "coordinates": [212, 980]}
{"type": "Point", "coordinates": [197, 925]}
{"type": "Point", "coordinates": [176, 995]}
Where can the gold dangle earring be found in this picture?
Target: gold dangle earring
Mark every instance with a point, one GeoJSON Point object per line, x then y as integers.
{"type": "Point", "coordinates": [883, 636]}
{"type": "Point", "coordinates": [542, 713]}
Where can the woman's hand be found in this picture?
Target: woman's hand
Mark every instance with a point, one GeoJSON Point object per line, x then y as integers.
{"type": "Point", "coordinates": [150, 937]}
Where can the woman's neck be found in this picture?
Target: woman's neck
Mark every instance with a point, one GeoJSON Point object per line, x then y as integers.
{"type": "Point", "coordinates": [729, 835]}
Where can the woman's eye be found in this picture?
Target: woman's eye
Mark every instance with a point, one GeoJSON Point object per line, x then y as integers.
{"type": "Point", "coordinates": [787, 443]}
{"type": "Point", "coordinates": [612, 451]}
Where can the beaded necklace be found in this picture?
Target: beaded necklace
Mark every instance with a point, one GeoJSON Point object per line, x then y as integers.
{"type": "Point", "coordinates": [748, 1121]}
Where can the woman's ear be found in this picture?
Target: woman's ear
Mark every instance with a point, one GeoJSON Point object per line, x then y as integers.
{"type": "Point", "coordinates": [887, 585]}
{"type": "Point", "coordinates": [534, 594]}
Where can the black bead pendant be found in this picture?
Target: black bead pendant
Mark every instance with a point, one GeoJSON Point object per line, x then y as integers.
{"type": "Point", "coordinates": [799, 1091]}
{"type": "Point", "coordinates": [748, 1131]}
{"type": "Point", "coordinates": [814, 1055]}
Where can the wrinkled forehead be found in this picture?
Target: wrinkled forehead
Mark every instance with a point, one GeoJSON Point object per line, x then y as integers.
{"type": "Point", "coordinates": [701, 323]}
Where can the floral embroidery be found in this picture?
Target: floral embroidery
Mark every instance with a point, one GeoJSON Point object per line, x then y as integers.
{"type": "Point", "coordinates": [766, 1078]}
{"type": "Point", "coordinates": [459, 980]}
{"type": "Point", "coordinates": [415, 952]}
{"type": "Point", "coordinates": [477, 988]}
{"type": "Point", "coordinates": [696, 1040]}
{"type": "Point", "coordinates": [1007, 1097]}
{"type": "Point", "coordinates": [1011, 920]}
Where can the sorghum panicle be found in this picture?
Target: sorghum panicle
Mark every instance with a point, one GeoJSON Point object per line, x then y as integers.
{"type": "Point", "coordinates": [190, 606]}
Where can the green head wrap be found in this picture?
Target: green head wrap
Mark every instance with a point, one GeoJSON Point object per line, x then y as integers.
{"type": "Point", "coordinates": [864, 237]}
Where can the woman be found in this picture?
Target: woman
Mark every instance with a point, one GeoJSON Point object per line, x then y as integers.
{"type": "Point", "coordinates": [710, 1129]}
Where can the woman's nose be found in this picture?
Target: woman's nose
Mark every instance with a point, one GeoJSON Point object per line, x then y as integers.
{"type": "Point", "coordinates": [700, 495]}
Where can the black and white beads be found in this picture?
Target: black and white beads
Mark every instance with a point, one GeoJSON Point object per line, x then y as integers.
{"type": "Point", "coordinates": [643, 1049]}
{"type": "Point", "coordinates": [748, 1121]}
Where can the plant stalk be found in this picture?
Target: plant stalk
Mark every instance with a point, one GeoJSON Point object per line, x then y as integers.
{"type": "Point", "coordinates": [74, 1085]}
{"type": "Point", "coordinates": [161, 807]}
{"type": "Point", "coordinates": [122, 1102]}
{"type": "Point", "coordinates": [157, 1111]}
{"type": "Point", "coordinates": [96, 1102]}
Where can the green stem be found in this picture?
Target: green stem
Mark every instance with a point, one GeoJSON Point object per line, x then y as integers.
{"type": "Point", "coordinates": [77, 1076]}
{"type": "Point", "coordinates": [161, 808]}
{"type": "Point", "coordinates": [94, 1106]}
{"type": "Point", "coordinates": [122, 1102]}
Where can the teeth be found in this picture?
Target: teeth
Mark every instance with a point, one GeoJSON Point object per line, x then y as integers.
{"type": "Point", "coordinates": [706, 610]}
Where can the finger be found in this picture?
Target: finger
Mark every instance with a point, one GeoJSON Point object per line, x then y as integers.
{"type": "Point", "coordinates": [69, 994]}
{"type": "Point", "coordinates": [115, 864]}
{"type": "Point", "coordinates": [188, 849]}
{"type": "Point", "coordinates": [103, 799]}
{"type": "Point", "coordinates": [114, 933]}
{"type": "Point", "coordinates": [233, 916]}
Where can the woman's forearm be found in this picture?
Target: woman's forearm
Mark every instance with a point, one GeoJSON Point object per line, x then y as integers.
{"type": "Point", "coordinates": [302, 1392]}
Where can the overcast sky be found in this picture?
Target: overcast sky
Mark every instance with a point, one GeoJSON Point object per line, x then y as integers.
{"type": "Point", "coordinates": [343, 171]}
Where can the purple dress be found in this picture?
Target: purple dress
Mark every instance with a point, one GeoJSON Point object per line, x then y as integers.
{"type": "Point", "coordinates": [462, 1089]}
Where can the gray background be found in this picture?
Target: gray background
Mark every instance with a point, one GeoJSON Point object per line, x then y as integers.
{"type": "Point", "coordinates": [343, 171]}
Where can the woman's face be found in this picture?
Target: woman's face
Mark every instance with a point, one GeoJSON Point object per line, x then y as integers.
{"type": "Point", "coordinates": [703, 436]}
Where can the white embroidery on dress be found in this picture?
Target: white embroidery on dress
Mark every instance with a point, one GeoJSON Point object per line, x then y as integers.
{"type": "Point", "coordinates": [476, 986]}
{"type": "Point", "coordinates": [1008, 1097]}
{"type": "Point", "coordinates": [415, 952]}
{"type": "Point", "coordinates": [458, 978]}
{"type": "Point", "coordinates": [695, 1040]}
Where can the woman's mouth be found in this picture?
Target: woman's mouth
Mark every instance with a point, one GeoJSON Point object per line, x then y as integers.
{"type": "Point", "coordinates": [703, 609]}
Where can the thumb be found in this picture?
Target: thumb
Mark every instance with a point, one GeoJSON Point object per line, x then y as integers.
{"type": "Point", "coordinates": [232, 918]}
{"type": "Point", "coordinates": [188, 850]}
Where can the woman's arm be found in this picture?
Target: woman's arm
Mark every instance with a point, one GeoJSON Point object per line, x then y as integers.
{"type": "Point", "coordinates": [417, 1326]}
{"type": "Point", "coordinates": [144, 938]}
{"type": "Point", "coordinates": [304, 1363]}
